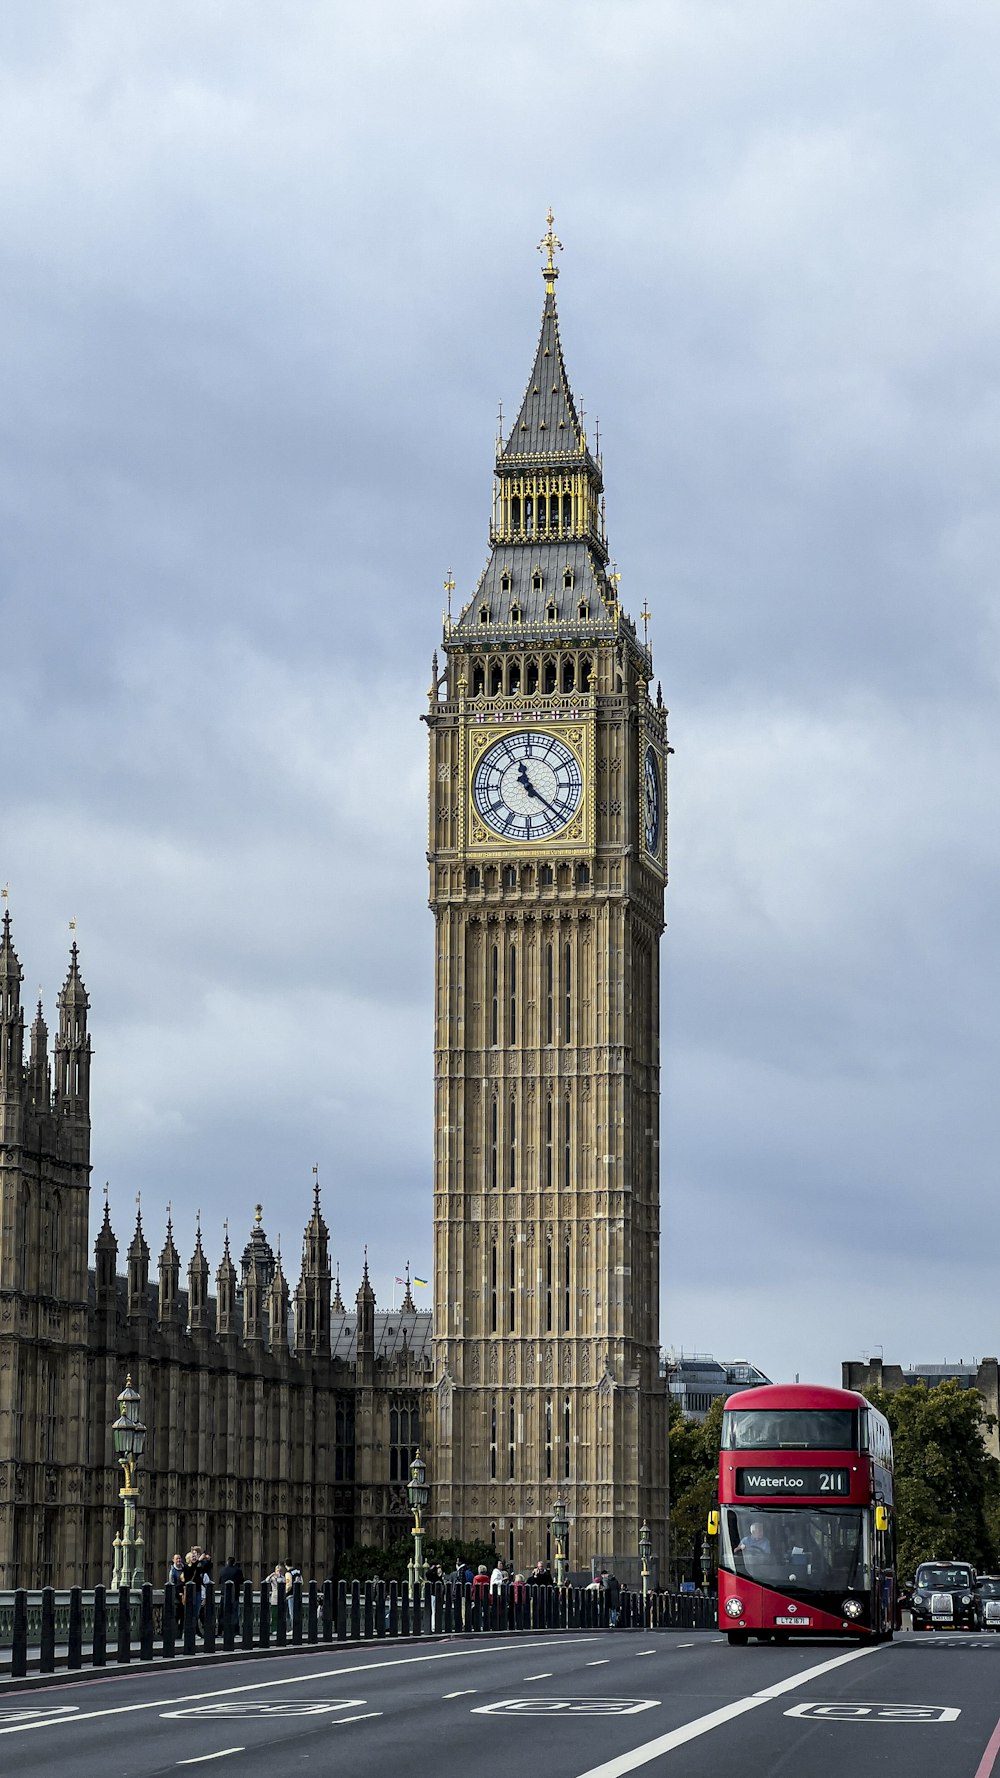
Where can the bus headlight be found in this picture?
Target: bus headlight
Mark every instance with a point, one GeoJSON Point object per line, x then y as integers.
{"type": "Point", "coordinates": [852, 1608]}
{"type": "Point", "coordinates": [734, 1608]}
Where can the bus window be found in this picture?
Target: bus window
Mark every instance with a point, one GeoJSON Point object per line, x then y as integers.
{"type": "Point", "coordinates": [790, 1429]}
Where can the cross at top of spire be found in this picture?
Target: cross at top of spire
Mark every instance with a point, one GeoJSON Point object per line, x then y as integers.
{"type": "Point", "coordinates": [548, 244]}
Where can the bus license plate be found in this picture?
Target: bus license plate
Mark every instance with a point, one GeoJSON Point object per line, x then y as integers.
{"type": "Point", "coordinates": [796, 1622]}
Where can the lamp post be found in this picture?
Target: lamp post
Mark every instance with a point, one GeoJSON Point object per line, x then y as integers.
{"type": "Point", "coordinates": [560, 1532]}
{"type": "Point", "coordinates": [706, 1564]}
{"type": "Point", "coordinates": [129, 1436]}
{"type": "Point", "coordinates": [418, 1494]}
{"type": "Point", "coordinates": [645, 1551]}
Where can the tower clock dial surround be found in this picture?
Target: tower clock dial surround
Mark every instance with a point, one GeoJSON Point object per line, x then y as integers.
{"type": "Point", "coordinates": [527, 785]}
{"type": "Point", "coordinates": [651, 801]}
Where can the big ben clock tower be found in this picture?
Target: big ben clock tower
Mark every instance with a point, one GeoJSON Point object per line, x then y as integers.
{"type": "Point", "coordinates": [547, 872]}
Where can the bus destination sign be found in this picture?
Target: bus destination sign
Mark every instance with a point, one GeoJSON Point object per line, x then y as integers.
{"type": "Point", "coordinates": [791, 1481]}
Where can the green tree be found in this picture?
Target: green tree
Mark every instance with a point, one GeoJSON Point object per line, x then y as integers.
{"type": "Point", "coordinates": [365, 1561]}
{"type": "Point", "coordinates": [947, 1486]}
{"type": "Point", "coordinates": [694, 1485]}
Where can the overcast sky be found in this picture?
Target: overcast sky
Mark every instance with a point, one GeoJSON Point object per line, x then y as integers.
{"type": "Point", "coordinates": [266, 273]}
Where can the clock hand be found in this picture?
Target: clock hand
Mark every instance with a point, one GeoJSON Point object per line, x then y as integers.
{"type": "Point", "coordinates": [525, 782]}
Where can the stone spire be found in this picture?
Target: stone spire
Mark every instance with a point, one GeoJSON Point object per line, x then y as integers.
{"type": "Point", "coordinates": [105, 1263]}
{"type": "Point", "coordinates": [312, 1295]}
{"type": "Point", "coordinates": [170, 1278]}
{"type": "Point", "coordinates": [258, 1251]}
{"type": "Point", "coordinates": [253, 1305]}
{"type": "Point", "coordinates": [277, 1307]}
{"type": "Point", "coordinates": [138, 1273]}
{"type": "Point", "coordinates": [366, 1328]}
{"type": "Point", "coordinates": [39, 1073]}
{"type": "Point", "coordinates": [227, 1324]}
{"type": "Point", "coordinates": [199, 1316]}
{"type": "Point", "coordinates": [11, 1016]}
{"type": "Point", "coordinates": [72, 1046]}
{"type": "Point", "coordinates": [338, 1301]}
{"type": "Point", "coordinates": [408, 1306]}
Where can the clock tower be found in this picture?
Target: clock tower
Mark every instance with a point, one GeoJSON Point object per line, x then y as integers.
{"type": "Point", "coordinates": [547, 873]}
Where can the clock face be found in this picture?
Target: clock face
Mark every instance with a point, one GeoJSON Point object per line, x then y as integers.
{"type": "Point", "coordinates": [651, 801]}
{"type": "Point", "coordinates": [527, 786]}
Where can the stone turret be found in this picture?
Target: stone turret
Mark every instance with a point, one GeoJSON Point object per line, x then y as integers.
{"type": "Point", "coordinates": [312, 1295]}
{"type": "Point", "coordinates": [199, 1315]}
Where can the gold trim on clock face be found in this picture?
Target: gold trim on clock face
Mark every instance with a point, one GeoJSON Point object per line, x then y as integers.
{"type": "Point", "coordinates": [527, 785]}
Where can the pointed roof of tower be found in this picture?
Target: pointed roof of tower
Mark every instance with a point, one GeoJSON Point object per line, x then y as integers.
{"type": "Point", "coordinates": [408, 1306]}
{"type": "Point", "coordinates": [365, 1291]}
{"type": "Point", "coordinates": [547, 422]}
{"type": "Point", "coordinates": [137, 1246]}
{"type": "Point", "coordinates": [10, 965]}
{"type": "Point", "coordinates": [338, 1301]}
{"type": "Point", "coordinates": [226, 1268]}
{"type": "Point", "coordinates": [73, 992]}
{"type": "Point", "coordinates": [106, 1234]}
{"type": "Point", "coordinates": [170, 1255]}
{"type": "Point", "coordinates": [258, 1250]}
{"type": "Point", "coordinates": [39, 1035]}
{"type": "Point", "coordinates": [198, 1262]}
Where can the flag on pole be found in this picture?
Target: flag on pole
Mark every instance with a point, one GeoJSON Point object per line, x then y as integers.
{"type": "Point", "coordinates": [422, 1281]}
{"type": "Point", "coordinates": [400, 1280]}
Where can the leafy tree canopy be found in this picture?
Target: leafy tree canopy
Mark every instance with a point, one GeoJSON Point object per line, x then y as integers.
{"type": "Point", "coordinates": [694, 1473]}
{"type": "Point", "coordinates": [365, 1561]}
{"type": "Point", "coordinates": [947, 1486]}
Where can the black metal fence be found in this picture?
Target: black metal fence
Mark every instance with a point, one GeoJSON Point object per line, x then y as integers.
{"type": "Point", "coordinates": [163, 1624]}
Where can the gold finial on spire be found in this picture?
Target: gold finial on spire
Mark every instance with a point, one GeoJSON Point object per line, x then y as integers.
{"type": "Point", "coordinates": [5, 895]}
{"type": "Point", "coordinates": [615, 579]}
{"type": "Point", "coordinates": [258, 1214]}
{"type": "Point", "coordinates": [72, 924]}
{"type": "Point", "coordinates": [645, 614]}
{"type": "Point", "coordinates": [548, 244]}
{"type": "Point", "coordinates": [449, 587]}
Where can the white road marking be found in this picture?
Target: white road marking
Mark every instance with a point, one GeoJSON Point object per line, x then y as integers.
{"type": "Point", "coordinates": [264, 1685]}
{"type": "Point", "coordinates": [466, 1694]}
{"type": "Point", "coordinates": [366, 1718]}
{"type": "Point", "coordinates": [202, 1757]}
{"type": "Point", "coordinates": [685, 1645]}
{"type": "Point", "coordinates": [530, 1676]}
{"type": "Point", "coordinates": [604, 1663]}
{"type": "Point", "coordinates": [645, 1651]}
{"type": "Point", "coordinates": [703, 1725]}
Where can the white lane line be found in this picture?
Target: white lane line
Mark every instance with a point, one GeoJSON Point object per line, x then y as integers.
{"type": "Point", "coordinates": [467, 1694]}
{"type": "Point", "coordinates": [366, 1718]}
{"type": "Point", "coordinates": [685, 1645]}
{"type": "Point", "coordinates": [265, 1685]}
{"type": "Point", "coordinates": [202, 1757]}
{"type": "Point", "coordinates": [603, 1663]}
{"type": "Point", "coordinates": [703, 1725]}
{"type": "Point", "coordinates": [530, 1676]}
{"type": "Point", "coordinates": [644, 1651]}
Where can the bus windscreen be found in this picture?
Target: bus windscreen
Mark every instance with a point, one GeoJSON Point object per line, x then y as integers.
{"type": "Point", "coordinates": [790, 1429]}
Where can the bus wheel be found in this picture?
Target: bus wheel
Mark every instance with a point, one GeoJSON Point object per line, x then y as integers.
{"type": "Point", "coordinates": [764, 1636]}
{"type": "Point", "coordinates": [737, 1638]}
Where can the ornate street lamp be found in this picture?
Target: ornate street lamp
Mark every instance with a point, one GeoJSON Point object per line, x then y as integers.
{"type": "Point", "coordinates": [129, 1436]}
{"type": "Point", "coordinates": [560, 1532]}
{"type": "Point", "coordinates": [418, 1494]}
{"type": "Point", "coordinates": [645, 1551]}
{"type": "Point", "coordinates": [706, 1565]}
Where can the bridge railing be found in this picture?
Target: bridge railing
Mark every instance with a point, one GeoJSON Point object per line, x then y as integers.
{"type": "Point", "coordinates": [46, 1629]}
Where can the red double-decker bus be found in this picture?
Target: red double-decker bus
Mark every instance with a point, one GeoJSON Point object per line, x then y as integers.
{"type": "Point", "coordinates": [805, 1525]}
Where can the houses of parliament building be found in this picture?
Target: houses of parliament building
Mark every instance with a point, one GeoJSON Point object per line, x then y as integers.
{"type": "Point", "coordinates": [281, 1422]}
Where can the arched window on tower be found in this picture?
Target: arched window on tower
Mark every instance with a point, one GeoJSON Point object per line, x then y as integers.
{"type": "Point", "coordinates": [548, 1436]}
{"type": "Point", "coordinates": [549, 671]}
{"type": "Point", "coordinates": [548, 1144]}
{"type": "Point", "coordinates": [586, 669]}
{"type": "Point", "coordinates": [495, 994]}
{"type": "Point", "coordinates": [496, 678]}
{"type": "Point", "coordinates": [484, 614]}
{"type": "Point", "coordinates": [553, 512]}
{"type": "Point", "coordinates": [512, 994]}
{"type": "Point", "coordinates": [567, 505]}
{"type": "Point", "coordinates": [514, 672]}
{"type": "Point", "coordinates": [548, 1282]}
{"type": "Point", "coordinates": [493, 1287]}
{"type": "Point", "coordinates": [567, 580]}
{"type": "Point", "coordinates": [529, 513]}
{"type": "Point", "coordinates": [569, 674]}
{"type": "Point", "coordinates": [567, 993]}
{"type": "Point", "coordinates": [566, 1288]}
{"type": "Point", "coordinates": [551, 610]}
{"type": "Point", "coordinates": [566, 1436]}
{"type": "Point", "coordinates": [567, 1156]}
{"type": "Point", "coordinates": [493, 1440]}
{"type": "Point", "coordinates": [531, 676]}
{"type": "Point", "coordinates": [511, 1437]}
{"type": "Point", "coordinates": [478, 678]}
{"type": "Point", "coordinates": [511, 1286]}
{"type": "Point", "coordinates": [512, 1145]}
{"type": "Point", "coordinates": [494, 1141]}
{"type": "Point", "coordinates": [515, 513]}
{"type": "Point", "coordinates": [549, 990]}
{"type": "Point", "coordinates": [505, 581]}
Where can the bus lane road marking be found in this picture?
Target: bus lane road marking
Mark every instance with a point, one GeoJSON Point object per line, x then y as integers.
{"type": "Point", "coordinates": [341, 1674]}
{"type": "Point", "coordinates": [717, 1719]}
{"type": "Point", "coordinates": [848, 1711]}
{"type": "Point", "coordinates": [200, 1758]}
